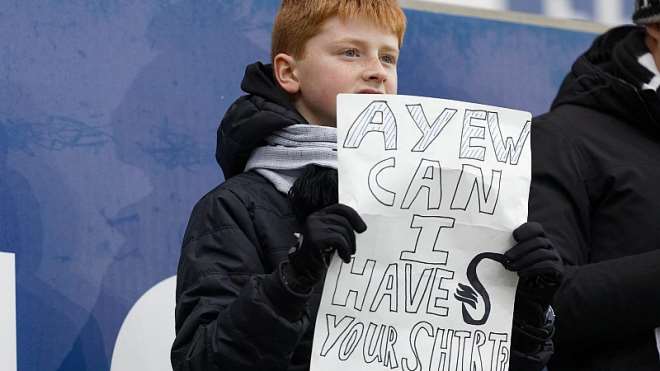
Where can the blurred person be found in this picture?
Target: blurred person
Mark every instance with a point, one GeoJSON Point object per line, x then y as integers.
{"type": "Point", "coordinates": [595, 181]}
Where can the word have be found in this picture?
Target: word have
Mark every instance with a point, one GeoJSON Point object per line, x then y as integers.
{"type": "Point", "coordinates": [432, 348]}
{"type": "Point", "coordinates": [378, 117]}
{"type": "Point", "coordinates": [393, 290]}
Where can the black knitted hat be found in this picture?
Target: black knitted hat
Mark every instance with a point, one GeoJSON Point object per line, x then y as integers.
{"type": "Point", "coordinates": [646, 11]}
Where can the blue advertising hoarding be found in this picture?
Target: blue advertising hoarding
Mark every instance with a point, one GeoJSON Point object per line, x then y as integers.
{"type": "Point", "coordinates": [108, 113]}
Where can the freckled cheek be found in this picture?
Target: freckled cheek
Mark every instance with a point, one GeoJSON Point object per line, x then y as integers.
{"type": "Point", "coordinates": [333, 87]}
{"type": "Point", "coordinates": [324, 96]}
{"type": "Point", "coordinates": [392, 85]}
{"type": "Point", "coordinates": [347, 83]}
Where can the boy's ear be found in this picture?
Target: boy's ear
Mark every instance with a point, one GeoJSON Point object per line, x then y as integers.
{"type": "Point", "coordinates": [284, 67]}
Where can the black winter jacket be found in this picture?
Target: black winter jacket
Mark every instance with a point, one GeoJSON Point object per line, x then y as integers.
{"type": "Point", "coordinates": [233, 312]}
{"type": "Point", "coordinates": [596, 190]}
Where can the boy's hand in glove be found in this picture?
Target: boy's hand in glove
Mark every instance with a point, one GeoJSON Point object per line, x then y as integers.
{"type": "Point", "coordinates": [326, 231]}
{"type": "Point", "coordinates": [541, 271]}
{"type": "Point", "coordinates": [537, 262]}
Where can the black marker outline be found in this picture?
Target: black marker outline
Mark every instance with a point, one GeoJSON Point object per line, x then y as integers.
{"type": "Point", "coordinates": [501, 146]}
{"type": "Point", "coordinates": [424, 183]}
{"type": "Point", "coordinates": [467, 135]}
{"type": "Point", "coordinates": [350, 293]}
{"type": "Point", "coordinates": [375, 178]}
{"type": "Point", "coordinates": [425, 128]}
{"type": "Point", "coordinates": [359, 130]}
{"type": "Point", "coordinates": [404, 253]}
{"type": "Point", "coordinates": [481, 191]}
{"type": "Point", "coordinates": [394, 302]}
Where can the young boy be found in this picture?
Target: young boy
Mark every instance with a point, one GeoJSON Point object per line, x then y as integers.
{"type": "Point", "coordinates": [256, 249]}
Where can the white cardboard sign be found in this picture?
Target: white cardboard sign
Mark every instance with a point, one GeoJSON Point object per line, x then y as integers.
{"type": "Point", "coordinates": [7, 312]}
{"type": "Point", "coordinates": [441, 185]}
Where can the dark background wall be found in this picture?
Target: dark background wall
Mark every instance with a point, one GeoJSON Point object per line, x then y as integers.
{"type": "Point", "coordinates": [108, 113]}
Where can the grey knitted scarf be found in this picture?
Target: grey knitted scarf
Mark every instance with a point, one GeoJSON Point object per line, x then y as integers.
{"type": "Point", "coordinates": [289, 150]}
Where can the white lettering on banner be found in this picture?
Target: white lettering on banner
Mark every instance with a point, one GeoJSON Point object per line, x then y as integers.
{"type": "Point", "coordinates": [441, 185]}
{"type": "Point", "coordinates": [7, 312]}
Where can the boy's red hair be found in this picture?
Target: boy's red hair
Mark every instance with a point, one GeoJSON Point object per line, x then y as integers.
{"type": "Point", "coordinates": [297, 21]}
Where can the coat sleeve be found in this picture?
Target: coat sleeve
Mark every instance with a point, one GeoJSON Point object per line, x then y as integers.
{"type": "Point", "coordinates": [598, 302]}
{"type": "Point", "coordinates": [230, 313]}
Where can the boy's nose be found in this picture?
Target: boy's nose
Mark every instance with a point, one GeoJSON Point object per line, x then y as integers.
{"type": "Point", "coordinates": [374, 71]}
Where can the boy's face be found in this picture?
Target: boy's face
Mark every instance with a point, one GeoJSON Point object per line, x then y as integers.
{"type": "Point", "coordinates": [346, 56]}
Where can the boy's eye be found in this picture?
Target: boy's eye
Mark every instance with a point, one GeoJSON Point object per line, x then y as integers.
{"type": "Point", "coordinates": [351, 53]}
{"type": "Point", "coordinates": [390, 59]}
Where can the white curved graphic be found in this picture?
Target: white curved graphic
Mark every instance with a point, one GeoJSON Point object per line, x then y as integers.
{"type": "Point", "coordinates": [146, 336]}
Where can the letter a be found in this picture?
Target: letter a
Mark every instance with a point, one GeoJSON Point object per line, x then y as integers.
{"type": "Point", "coordinates": [377, 117]}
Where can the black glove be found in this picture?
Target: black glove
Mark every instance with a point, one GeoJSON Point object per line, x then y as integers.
{"type": "Point", "coordinates": [537, 262]}
{"type": "Point", "coordinates": [541, 271]}
{"type": "Point", "coordinates": [326, 231]}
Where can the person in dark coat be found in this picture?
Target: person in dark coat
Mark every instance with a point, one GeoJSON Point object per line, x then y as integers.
{"type": "Point", "coordinates": [595, 182]}
{"type": "Point", "coordinates": [256, 249]}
